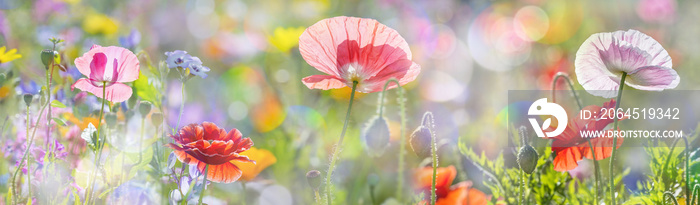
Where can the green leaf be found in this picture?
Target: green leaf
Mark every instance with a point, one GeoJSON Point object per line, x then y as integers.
{"type": "Point", "coordinates": [60, 121]}
{"type": "Point", "coordinates": [58, 104]}
{"type": "Point", "coordinates": [146, 90]}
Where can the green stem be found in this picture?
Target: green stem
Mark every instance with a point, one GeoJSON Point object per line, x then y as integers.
{"type": "Point", "coordinates": [522, 182]}
{"type": "Point", "coordinates": [402, 142]}
{"type": "Point", "coordinates": [98, 154]}
{"type": "Point", "coordinates": [614, 148]}
{"type": "Point", "coordinates": [26, 152]}
{"type": "Point", "coordinates": [371, 195]}
{"type": "Point", "coordinates": [580, 107]}
{"type": "Point", "coordinates": [204, 184]}
{"type": "Point", "coordinates": [29, 167]}
{"type": "Point", "coordinates": [336, 150]}
{"type": "Point", "coordinates": [428, 120]}
{"type": "Point", "coordinates": [687, 172]}
{"type": "Point", "coordinates": [182, 106]}
{"type": "Point", "coordinates": [669, 195]}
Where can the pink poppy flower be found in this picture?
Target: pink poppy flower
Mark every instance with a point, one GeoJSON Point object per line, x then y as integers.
{"type": "Point", "coordinates": [603, 58]}
{"type": "Point", "coordinates": [351, 49]}
{"type": "Point", "coordinates": [107, 66]}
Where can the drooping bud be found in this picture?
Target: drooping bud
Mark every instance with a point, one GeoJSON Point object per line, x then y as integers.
{"type": "Point", "coordinates": [313, 177]}
{"type": "Point", "coordinates": [47, 57]}
{"type": "Point", "coordinates": [145, 108]}
{"type": "Point", "coordinates": [373, 179]}
{"type": "Point", "coordinates": [28, 99]}
{"type": "Point", "coordinates": [420, 141]}
{"type": "Point", "coordinates": [527, 155]}
{"type": "Point", "coordinates": [376, 136]}
{"type": "Point", "coordinates": [157, 119]}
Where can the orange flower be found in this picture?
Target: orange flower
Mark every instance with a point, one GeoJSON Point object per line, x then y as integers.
{"type": "Point", "coordinates": [263, 159]}
{"type": "Point", "coordinates": [461, 193]}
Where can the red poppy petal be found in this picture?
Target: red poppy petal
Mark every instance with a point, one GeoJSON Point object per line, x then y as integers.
{"type": "Point", "coordinates": [222, 173]}
{"type": "Point", "coordinates": [183, 156]}
{"type": "Point", "coordinates": [602, 147]}
{"type": "Point", "coordinates": [567, 159]}
{"type": "Point", "coordinates": [213, 132]}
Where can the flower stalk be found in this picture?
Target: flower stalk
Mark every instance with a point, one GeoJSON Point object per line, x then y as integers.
{"type": "Point", "coordinates": [402, 133]}
{"type": "Point", "coordinates": [614, 148]}
{"type": "Point", "coordinates": [337, 147]}
{"type": "Point", "coordinates": [580, 107]}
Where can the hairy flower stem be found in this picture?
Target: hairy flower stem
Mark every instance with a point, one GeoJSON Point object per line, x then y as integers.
{"type": "Point", "coordinates": [26, 152]}
{"type": "Point", "coordinates": [336, 149]}
{"type": "Point", "coordinates": [49, 78]}
{"type": "Point", "coordinates": [428, 120]}
{"type": "Point", "coordinates": [402, 142]}
{"type": "Point", "coordinates": [614, 148]}
{"type": "Point", "coordinates": [580, 107]}
{"type": "Point", "coordinates": [29, 167]}
{"type": "Point", "coordinates": [687, 172]}
{"type": "Point", "coordinates": [182, 106]}
{"type": "Point", "coordinates": [204, 184]}
{"type": "Point", "coordinates": [521, 187]}
{"type": "Point", "coordinates": [98, 153]}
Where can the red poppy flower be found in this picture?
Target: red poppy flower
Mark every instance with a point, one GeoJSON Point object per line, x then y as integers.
{"type": "Point", "coordinates": [460, 193]}
{"type": "Point", "coordinates": [207, 144]}
{"type": "Point", "coordinates": [570, 147]}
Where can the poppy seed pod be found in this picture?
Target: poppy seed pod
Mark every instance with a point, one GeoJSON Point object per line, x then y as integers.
{"type": "Point", "coordinates": [47, 57]}
{"type": "Point", "coordinates": [157, 119]}
{"type": "Point", "coordinates": [527, 159]}
{"type": "Point", "coordinates": [145, 108]}
{"type": "Point", "coordinates": [313, 177]}
{"type": "Point", "coordinates": [420, 141]}
{"type": "Point", "coordinates": [28, 99]}
{"type": "Point", "coordinates": [376, 136]}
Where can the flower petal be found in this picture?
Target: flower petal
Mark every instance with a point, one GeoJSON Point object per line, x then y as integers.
{"type": "Point", "coordinates": [331, 44]}
{"type": "Point", "coordinates": [222, 173]}
{"type": "Point", "coordinates": [654, 78]}
{"type": "Point", "coordinates": [324, 82]}
{"type": "Point", "coordinates": [404, 71]}
{"type": "Point", "coordinates": [116, 92]}
{"type": "Point", "coordinates": [567, 159]}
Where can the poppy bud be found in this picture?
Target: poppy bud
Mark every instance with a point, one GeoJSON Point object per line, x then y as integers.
{"type": "Point", "coordinates": [145, 108]}
{"type": "Point", "coordinates": [420, 141]}
{"type": "Point", "coordinates": [313, 177]}
{"type": "Point", "coordinates": [28, 99]}
{"type": "Point", "coordinates": [527, 159]}
{"type": "Point", "coordinates": [47, 57]}
{"type": "Point", "coordinates": [376, 136]}
{"type": "Point", "coordinates": [373, 179]}
{"type": "Point", "coordinates": [157, 119]}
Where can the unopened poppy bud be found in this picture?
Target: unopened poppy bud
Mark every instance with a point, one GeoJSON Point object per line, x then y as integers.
{"type": "Point", "coordinates": [376, 136]}
{"type": "Point", "coordinates": [145, 108]}
{"type": "Point", "coordinates": [28, 99]}
{"type": "Point", "coordinates": [111, 119]}
{"type": "Point", "coordinates": [313, 177]}
{"type": "Point", "coordinates": [420, 141]}
{"type": "Point", "coordinates": [47, 57]}
{"type": "Point", "coordinates": [527, 159]}
{"type": "Point", "coordinates": [157, 119]}
{"type": "Point", "coordinates": [373, 179]}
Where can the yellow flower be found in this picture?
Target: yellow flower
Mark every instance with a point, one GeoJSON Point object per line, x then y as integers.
{"type": "Point", "coordinates": [9, 56]}
{"type": "Point", "coordinates": [96, 23]}
{"type": "Point", "coordinates": [263, 159]}
{"type": "Point", "coordinates": [285, 38]}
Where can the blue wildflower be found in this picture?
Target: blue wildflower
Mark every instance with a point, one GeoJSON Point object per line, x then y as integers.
{"type": "Point", "coordinates": [132, 40]}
